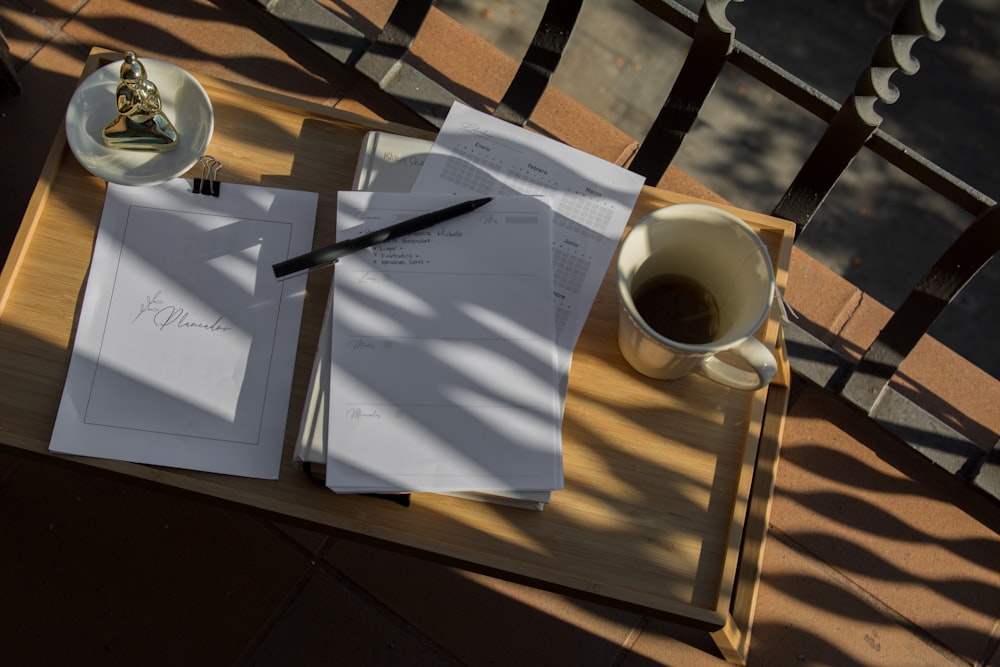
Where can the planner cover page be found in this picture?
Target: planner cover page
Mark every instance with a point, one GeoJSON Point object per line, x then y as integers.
{"type": "Point", "coordinates": [186, 343]}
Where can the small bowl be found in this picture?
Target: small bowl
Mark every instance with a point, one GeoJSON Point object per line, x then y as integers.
{"type": "Point", "coordinates": [93, 106]}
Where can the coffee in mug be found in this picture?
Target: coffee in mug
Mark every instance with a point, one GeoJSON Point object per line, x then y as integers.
{"type": "Point", "coordinates": [678, 307]}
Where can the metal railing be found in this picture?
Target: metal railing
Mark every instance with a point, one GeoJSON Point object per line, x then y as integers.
{"type": "Point", "coordinates": [852, 126]}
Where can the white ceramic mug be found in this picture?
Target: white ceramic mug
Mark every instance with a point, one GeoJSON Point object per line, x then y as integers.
{"type": "Point", "coordinates": [718, 252]}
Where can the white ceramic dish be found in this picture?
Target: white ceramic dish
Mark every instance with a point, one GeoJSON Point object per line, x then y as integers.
{"type": "Point", "coordinates": [92, 106]}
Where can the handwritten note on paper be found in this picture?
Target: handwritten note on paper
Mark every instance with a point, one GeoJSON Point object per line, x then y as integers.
{"type": "Point", "coordinates": [186, 343]}
{"type": "Point", "coordinates": [443, 373]}
{"type": "Point", "coordinates": [591, 199]}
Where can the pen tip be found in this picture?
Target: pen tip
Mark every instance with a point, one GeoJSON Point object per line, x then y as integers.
{"type": "Point", "coordinates": [476, 203]}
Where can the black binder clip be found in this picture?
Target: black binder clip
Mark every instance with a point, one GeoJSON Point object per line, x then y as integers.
{"type": "Point", "coordinates": [208, 184]}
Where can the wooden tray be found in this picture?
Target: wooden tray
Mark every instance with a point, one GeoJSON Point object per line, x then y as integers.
{"type": "Point", "coordinates": [662, 511]}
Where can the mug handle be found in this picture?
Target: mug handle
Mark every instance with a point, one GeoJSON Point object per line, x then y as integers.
{"type": "Point", "coordinates": [756, 354]}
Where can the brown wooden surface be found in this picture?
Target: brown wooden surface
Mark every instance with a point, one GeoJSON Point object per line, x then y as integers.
{"type": "Point", "coordinates": [658, 474]}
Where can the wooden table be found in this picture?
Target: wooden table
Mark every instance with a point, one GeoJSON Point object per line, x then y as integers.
{"type": "Point", "coordinates": [668, 484]}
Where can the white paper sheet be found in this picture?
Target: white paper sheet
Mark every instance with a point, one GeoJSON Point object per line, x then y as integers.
{"type": "Point", "coordinates": [186, 344]}
{"type": "Point", "coordinates": [443, 360]}
{"type": "Point", "coordinates": [591, 199]}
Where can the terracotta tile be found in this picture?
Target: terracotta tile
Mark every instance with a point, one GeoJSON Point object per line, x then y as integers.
{"type": "Point", "coordinates": [97, 571]}
{"type": "Point", "coordinates": [862, 327]}
{"type": "Point", "coordinates": [917, 539]}
{"type": "Point", "coordinates": [676, 180]}
{"type": "Point", "coordinates": [55, 11]}
{"type": "Point", "coordinates": [310, 541]}
{"type": "Point", "coordinates": [25, 32]}
{"type": "Point", "coordinates": [452, 55]}
{"type": "Point", "coordinates": [566, 120]}
{"type": "Point", "coordinates": [808, 615]}
{"type": "Point", "coordinates": [482, 620]}
{"type": "Point", "coordinates": [330, 622]}
{"type": "Point", "coordinates": [823, 300]}
{"type": "Point", "coordinates": [953, 389]}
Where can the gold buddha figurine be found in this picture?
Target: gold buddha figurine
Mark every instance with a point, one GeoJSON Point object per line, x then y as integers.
{"type": "Point", "coordinates": [140, 124]}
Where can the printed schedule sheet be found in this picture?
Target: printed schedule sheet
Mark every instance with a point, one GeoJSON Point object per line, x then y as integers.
{"type": "Point", "coordinates": [591, 200]}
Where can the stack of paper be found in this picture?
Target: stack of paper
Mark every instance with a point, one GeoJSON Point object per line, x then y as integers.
{"type": "Point", "coordinates": [444, 361]}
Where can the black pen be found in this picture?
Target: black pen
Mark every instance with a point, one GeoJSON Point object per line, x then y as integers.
{"type": "Point", "coordinates": [332, 253]}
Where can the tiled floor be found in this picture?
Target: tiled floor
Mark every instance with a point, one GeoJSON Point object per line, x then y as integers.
{"type": "Point", "coordinates": [875, 556]}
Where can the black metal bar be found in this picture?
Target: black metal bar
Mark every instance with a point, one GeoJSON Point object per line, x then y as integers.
{"type": "Point", "coordinates": [539, 62]}
{"type": "Point", "coordinates": [712, 44]}
{"type": "Point", "coordinates": [934, 177]}
{"type": "Point", "coordinates": [401, 29]}
{"type": "Point", "coordinates": [979, 243]}
{"type": "Point", "coordinates": [884, 145]}
{"type": "Point", "coordinates": [857, 119]}
{"type": "Point", "coordinates": [378, 59]}
{"type": "Point", "coordinates": [833, 153]}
